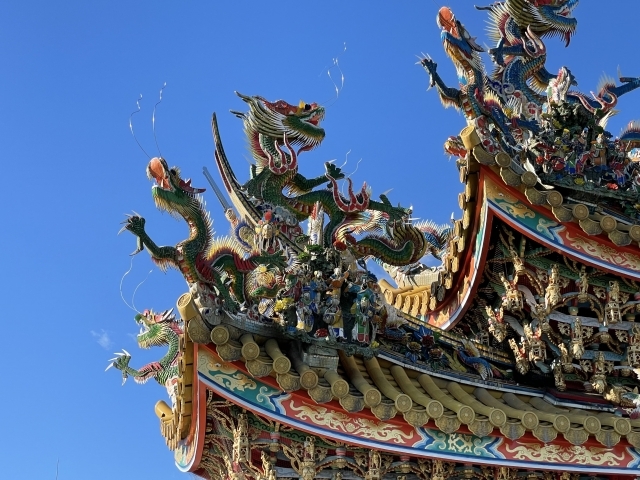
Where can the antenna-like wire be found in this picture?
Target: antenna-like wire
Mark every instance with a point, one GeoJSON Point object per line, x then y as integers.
{"type": "Point", "coordinates": [335, 64]}
{"type": "Point", "coordinates": [133, 297]}
{"type": "Point", "coordinates": [349, 176]}
{"type": "Point", "coordinates": [131, 125]}
{"type": "Point", "coordinates": [153, 118]}
{"type": "Point", "coordinates": [122, 280]}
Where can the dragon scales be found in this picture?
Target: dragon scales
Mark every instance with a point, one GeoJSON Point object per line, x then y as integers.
{"type": "Point", "coordinates": [264, 268]}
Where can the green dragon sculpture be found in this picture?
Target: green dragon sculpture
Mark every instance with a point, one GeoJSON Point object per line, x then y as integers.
{"type": "Point", "coordinates": [156, 329]}
{"type": "Point", "coordinates": [218, 267]}
{"type": "Point", "coordinates": [273, 129]}
{"type": "Point", "coordinates": [230, 275]}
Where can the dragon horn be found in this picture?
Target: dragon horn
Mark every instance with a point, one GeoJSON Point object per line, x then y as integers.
{"type": "Point", "coordinates": [244, 98]}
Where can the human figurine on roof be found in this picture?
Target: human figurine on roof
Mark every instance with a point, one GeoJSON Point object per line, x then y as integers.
{"type": "Point", "coordinates": [599, 151]}
{"type": "Point", "coordinates": [317, 287]}
{"type": "Point", "coordinates": [305, 311]}
{"type": "Point", "coordinates": [363, 309]}
{"type": "Point", "coordinates": [344, 293]}
{"type": "Point", "coordinates": [332, 316]}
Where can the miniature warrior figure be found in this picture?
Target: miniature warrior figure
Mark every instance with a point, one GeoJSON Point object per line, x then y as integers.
{"type": "Point", "coordinates": [599, 151]}
{"type": "Point", "coordinates": [333, 317]}
{"type": "Point", "coordinates": [512, 299]}
{"type": "Point", "coordinates": [583, 282]}
{"type": "Point", "coordinates": [577, 347]}
{"type": "Point", "coordinates": [520, 354]}
{"type": "Point", "coordinates": [552, 295]}
{"type": "Point", "coordinates": [566, 359]}
{"type": "Point", "coordinates": [304, 312]}
{"type": "Point", "coordinates": [558, 377]}
{"type": "Point", "coordinates": [518, 263]}
{"type": "Point", "coordinates": [599, 377]}
{"type": "Point", "coordinates": [309, 459]}
{"type": "Point", "coordinates": [268, 472]}
{"type": "Point", "coordinates": [231, 216]}
{"type": "Point", "coordinates": [346, 293]}
{"type": "Point", "coordinates": [612, 309]}
{"type": "Point", "coordinates": [633, 352]}
{"type": "Point", "coordinates": [537, 348]}
{"type": "Point", "coordinates": [267, 234]}
{"type": "Point", "coordinates": [336, 281]}
{"type": "Point", "coordinates": [363, 309]}
{"type": "Point", "coordinates": [497, 326]}
{"type": "Point", "coordinates": [318, 287]}
{"type": "Point", "coordinates": [241, 449]}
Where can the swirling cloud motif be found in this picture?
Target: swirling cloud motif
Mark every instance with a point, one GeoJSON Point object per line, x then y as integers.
{"type": "Point", "coordinates": [359, 427]}
{"type": "Point", "coordinates": [576, 454]}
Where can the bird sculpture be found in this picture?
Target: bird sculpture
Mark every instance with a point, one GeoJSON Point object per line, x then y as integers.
{"type": "Point", "coordinates": [470, 356]}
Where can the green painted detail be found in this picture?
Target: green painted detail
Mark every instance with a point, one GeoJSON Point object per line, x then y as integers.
{"type": "Point", "coordinates": [157, 329]}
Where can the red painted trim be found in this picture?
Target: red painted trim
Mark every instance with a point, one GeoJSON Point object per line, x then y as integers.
{"type": "Point", "coordinates": [469, 256]}
{"type": "Point", "coordinates": [198, 397]}
{"type": "Point", "coordinates": [570, 226]}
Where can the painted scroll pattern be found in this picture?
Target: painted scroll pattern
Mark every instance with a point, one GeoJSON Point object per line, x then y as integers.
{"type": "Point", "coordinates": [329, 418]}
{"type": "Point", "coordinates": [604, 252]}
{"type": "Point", "coordinates": [358, 426]}
{"type": "Point", "coordinates": [566, 454]}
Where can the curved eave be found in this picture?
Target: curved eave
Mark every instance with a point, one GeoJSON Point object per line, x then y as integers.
{"type": "Point", "coordinates": [460, 274]}
{"type": "Point", "coordinates": [566, 238]}
{"type": "Point", "coordinates": [487, 197]}
{"type": "Point", "coordinates": [480, 425]}
{"type": "Point", "coordinates": [189, 452]}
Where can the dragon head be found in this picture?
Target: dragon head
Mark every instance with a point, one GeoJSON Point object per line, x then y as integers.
{"type": "Point", "coordinates": [171, 193]}
{"type": "Point", "coordinates": [545, 17]}
{"type": "Point", "coordinates": [458, 43]}
{"type": "Point", "coordinates": [282, 122]}
{"type": "Point", "coordinates": [156, 328]}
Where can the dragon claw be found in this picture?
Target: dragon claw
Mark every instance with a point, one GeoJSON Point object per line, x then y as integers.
{"type": "Point", "coordinates": [135, 224]}
{"type": "Point", "coordinates": [333, 171]}
{"type": "Point", "coordinates": [430, 66]}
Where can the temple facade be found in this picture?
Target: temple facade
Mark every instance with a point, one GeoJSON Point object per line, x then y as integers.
{"type": "Point", "coordinates": [516, 358]}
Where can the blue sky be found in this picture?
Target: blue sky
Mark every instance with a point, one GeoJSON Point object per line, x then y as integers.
{"type": "Point", "coordinates": [71, 74]}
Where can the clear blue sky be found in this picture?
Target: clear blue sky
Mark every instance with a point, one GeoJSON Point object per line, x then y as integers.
{"type": "Point", "coordinates": [71, 74]}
